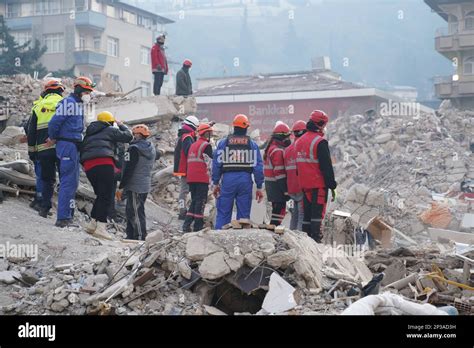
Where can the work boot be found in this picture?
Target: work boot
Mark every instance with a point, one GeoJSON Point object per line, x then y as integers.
{"type": "Point", "coordinates": [101, 231]}
{"type": "Point", "coordinates": [43, 212]}
{"type": "Point", "coordinates": [182, 215]}
{"type": "Point", "coordinates": [91, 226]}
{"type": "Point", "coordinates": [36, 205]}
{"type": "Point", "coordinates": [65, 223]}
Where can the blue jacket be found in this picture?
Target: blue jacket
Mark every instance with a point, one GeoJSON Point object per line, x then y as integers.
{"type": "Point", "coordinates": [68, 121]}
{"type": "Point", "coordinates": [217, 165]}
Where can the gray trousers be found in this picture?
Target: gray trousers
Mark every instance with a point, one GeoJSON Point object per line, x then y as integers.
{"type": "Point", "coordinates": [183, 194]}
{"type": "Point", "coordinates": [297, 212]}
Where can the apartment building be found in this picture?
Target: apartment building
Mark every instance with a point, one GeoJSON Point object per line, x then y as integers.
{"type": "Point", "coordinates": [107, 40]}
{"type": "Point", "coordinates": [456, 43]}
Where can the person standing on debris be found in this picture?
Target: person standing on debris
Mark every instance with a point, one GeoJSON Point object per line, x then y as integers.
{"type": "Point", "coordinates": [159, 64]}
{"type": "Point", "coordinates": [97, 157]}
{"type": "Point", "coordinates": [65, 130]}
{"type": "Point", "coordinates": [315, 173]}
{"type": "Point", "coordinates": [186, 138]}
{"type": "Point", "coordinates": [275, 173]}
{"type": "Point", "coordinates": [197, 177]}
{"type": "Point", "coordinates": [136, 180]}
{"type": "Point", "coordinates": [292, 181]}
{"type": "Point", "coordinates": [184, 84]}
{"type": "Point", "coordinates": [38, 151]}
{"type": "Point", "coordinates": [237, 157]}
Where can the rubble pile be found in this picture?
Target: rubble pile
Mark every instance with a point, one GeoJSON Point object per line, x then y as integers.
{"type": "Point", "coordinates": [393, 165]}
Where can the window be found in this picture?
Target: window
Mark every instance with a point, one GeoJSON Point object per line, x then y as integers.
{"type": "Point", "coordinates": [146, 89]}
{"type": "Point", "coordinates": [27, 9]}
{"type": "Point", "coordinates": [48, 7]}
{"type": "Point", "coordinates": [144, 21]}
{"type": "Point", "coordinates": [22, 37]}
{"type": "Point", "coordinates": [128, 17]}
{"type": "Point", "coordinates": [115, 79]}
{"type": "Point", "coordinates": [112, 47]}
{"type": "Point", "coordinates": [54, 43]}
{"type": "Point", "coordinates": [469, 66]}
{"type": "Point", "coordinates": [80, 5]}
{"type": "Point", "coordinates": [13, 10]}
{"type": "Point", "coordinates": [97, 43]}
{"type": "Point", "coordinates": [145, 55]}
{"type": "Point", "coordinates": [82, 42]}
{"type": "Point", "coordinates": [469, 21]}
{"type": "Point", "coordinates": [453, 24]}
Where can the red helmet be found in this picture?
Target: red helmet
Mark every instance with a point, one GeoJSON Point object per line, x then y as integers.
{"type": "Point", "coordinates": [85, 83]}
{"type": "Point", "coordinates": [203, 128]}
{"type": "Point", "coordinates": [187, 62]}
{"type": "Point", "coordinates": [319, 117]}
{"type": "Point", "coordinates": [299, 126]}
{"type": "Point", "coordinates": [281, 128]}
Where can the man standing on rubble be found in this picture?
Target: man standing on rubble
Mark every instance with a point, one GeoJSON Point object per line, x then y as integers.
{"type": "Point", "coordinates": [159, 64]}
{"type": "Point", "coordinates": [136, 180]}
{"type": "Point", "coordinates": [275, 173]}
{"type": "Point", "coordinates": [315, 173]}
{"type": "Point", "coordinates": [294, 188]}
{"type": "Point", "coordinates": [237, 157]}
{"type": "Point", "coordinates": [198, 177]}
{"type": "Point", "coordinates": [186, 138]}
{"type": "Point", "coordinates": [184, 84]}
{"type": "Point", "coordinates": [65, 130]}
{"type": "Point", "coordinates": [43, 111]}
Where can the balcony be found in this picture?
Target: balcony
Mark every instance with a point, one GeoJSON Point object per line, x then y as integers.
{"type": "Point", "coordinates": [446, 88]}
{"type": "Point", "coordinates": [19, 23]}
{"type": "Point", "coordinates": [90, 19]}
{"type": "Point", "coordinates": [449, 41]}
{"type": "Point", "coordinates": [90, 57]}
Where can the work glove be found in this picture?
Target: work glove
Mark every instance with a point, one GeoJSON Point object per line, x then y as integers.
{"type": "Point", "coordinates": [259, 195]}
{"type": "Point", "coordinates": [216, 191]}
{"type": "Point", "coordinates": [334, 195]}
{"type": "Point", "coordinates": [118, 196]}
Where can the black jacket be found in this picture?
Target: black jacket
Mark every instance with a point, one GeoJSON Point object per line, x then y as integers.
{"type": "Point", "coordinates": [181, 145]}
{"type": "Point", "coordinates": [184, 85]}
{"type": "Point", "coordinates": [101, 140]}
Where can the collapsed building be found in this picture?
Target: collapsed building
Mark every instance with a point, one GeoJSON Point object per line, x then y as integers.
{"type": "Point", "coordinates": [400, 232]}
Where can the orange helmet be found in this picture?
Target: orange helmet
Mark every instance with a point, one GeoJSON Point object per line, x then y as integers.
{"type": "Point", "coordinates": [85, 83]}
{"type": "Point", "coordinates": [204, 128]}
{"type": "Point", "coordinates": [281, 128]}
{"type": "Point", "coordinates": [241, 121]}
{"type": "Point", "coordinates": [141, 129]}
{"type": "Point", "coordinates": [54, 85]}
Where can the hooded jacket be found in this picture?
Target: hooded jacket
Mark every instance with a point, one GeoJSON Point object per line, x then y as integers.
{"type": "Point", "coordinates": [101, 140]}
{"type": "Point", "coordinates": [136, 175]}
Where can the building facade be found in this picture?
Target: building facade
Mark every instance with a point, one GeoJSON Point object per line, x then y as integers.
{"type": "Point", "coordinates": [456, 42]}
{"type": "Point", "coordinates": [109, 41]}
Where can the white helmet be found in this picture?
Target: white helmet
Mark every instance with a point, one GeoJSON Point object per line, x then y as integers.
{"type": "Point", "coordinates": [191, 121]}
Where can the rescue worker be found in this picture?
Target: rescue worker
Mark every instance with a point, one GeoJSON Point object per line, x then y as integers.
{"type": "Point", "coordinates": [159, 64]}
{"type": "Point", "coordinates": [97, 157]}
{"type": "Point", "coordinates": [136, 180]}
{"type": "Point", "coordinates": [198, 177]}
{"type": "Point", "coordinates": [45, 155]}
{"type": "Point", "coordinates": [292, 181]}
{"type": "Point", "coordinates": [186, 138]}
{"type": "Point", "coordinates": [184, 84]}
{"type": "Point", "coordinates": [315, 173]}
{"type": "Point", "coordinates": [275, 174]}
{"type": "Point", "coordinates": [237, 157]}
{"type": "Point", "coordinates": [65, 130]}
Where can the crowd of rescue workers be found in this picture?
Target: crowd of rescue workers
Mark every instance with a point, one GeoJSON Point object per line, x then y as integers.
{"type": "Point", "coordinates": [119, 161]}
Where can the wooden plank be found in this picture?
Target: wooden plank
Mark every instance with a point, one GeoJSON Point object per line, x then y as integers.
{"type": "Point", "coordinates": [149, 274]}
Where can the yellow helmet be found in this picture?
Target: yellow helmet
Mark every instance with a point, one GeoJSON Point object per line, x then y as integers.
{"type": "Point", "coordinates": [105, 116]}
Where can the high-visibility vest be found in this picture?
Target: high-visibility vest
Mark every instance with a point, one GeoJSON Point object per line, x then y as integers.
{"type": "Point", "coordinates": [45, 110]}
{"type": "Point", "coordinates": [307, 163]}
{"type": "Point", "coordinates": [292, 180]}
{"type": "Point", "coordinates": [274, 165]}
{"type": "Point", "coordinates": [197, 170]}
{"type": "Point", "coordinates": [180, 168]}
{"type": "Point", "coordinates": [237, 155]}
